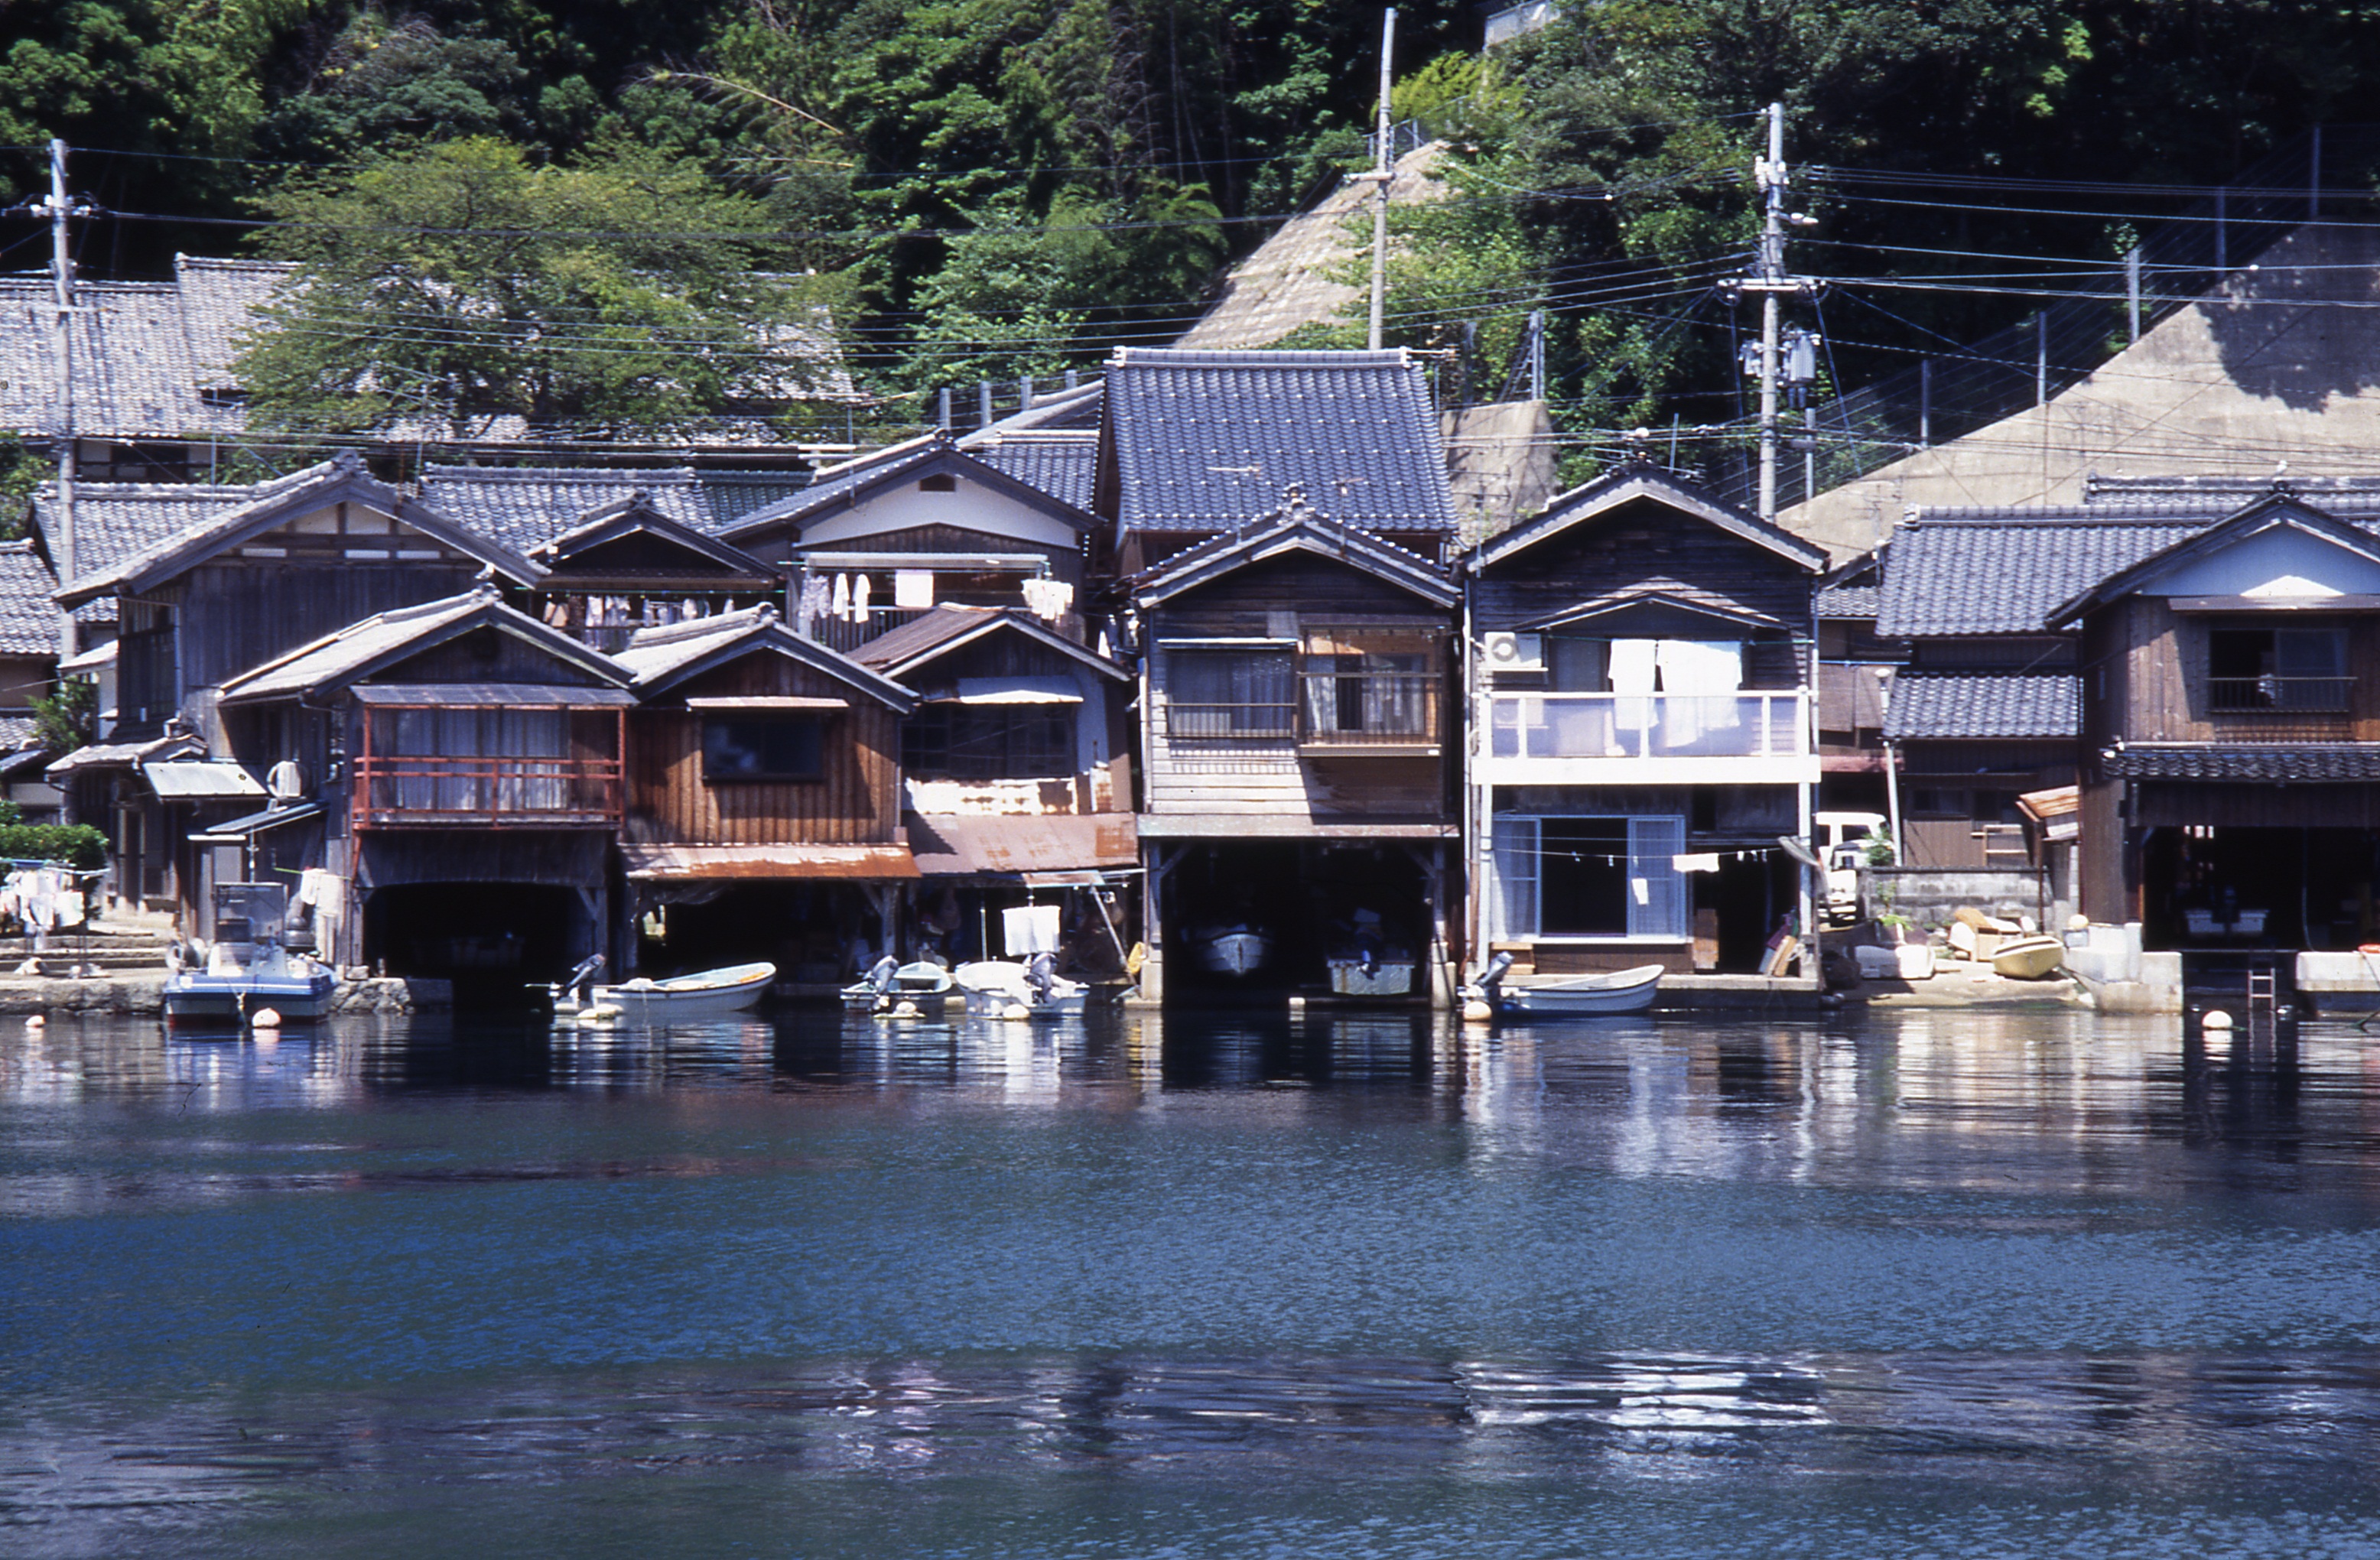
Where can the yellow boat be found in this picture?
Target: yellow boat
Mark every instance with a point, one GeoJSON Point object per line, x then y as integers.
{"type": "Point", "coordinates": [2028, 958]}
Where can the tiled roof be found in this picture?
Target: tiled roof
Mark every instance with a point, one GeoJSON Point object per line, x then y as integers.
{"type": "Point", "coordinates": [525, 507]}
{"type": "Point", "coordinates": [2004, 705]}
{"type": "Point", "coordinates": [2004, 572]}
{"type": "Point", "coordinates": [1849, 600]}
{"type": "Point", "coordinates": [657, 657]}
{"type": "Point", "coordinates": [114, 521]}
{"type": "Point", "coordinates": [1205, 440]}
{"type": "Point", "coordinates": [17, 732]}
{"type": "Point", "coordinates": [1295, 525]}
{"type": "Point", "coordinates": [2296, 762]}
{"type": "Point", "coordinates": [898, 651]}
{"type": "Point", "coordinates": [29, 619]}
{"type": "Point", "coordinates": [870, 471]}
{"type": "Point", "coordinates": [1063, 464]}
{"type": "Point", "coordinates": [352, 651]}
{"type": "Point", "coordinates": [133, 372]}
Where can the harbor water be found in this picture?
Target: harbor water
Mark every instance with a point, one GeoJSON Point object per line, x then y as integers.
{"type": "Point", "coordinates": [1921, 1284]}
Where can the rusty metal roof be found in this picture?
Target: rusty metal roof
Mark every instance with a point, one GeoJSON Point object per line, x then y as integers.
{"type": "Point", "coordinates": [952, 845]}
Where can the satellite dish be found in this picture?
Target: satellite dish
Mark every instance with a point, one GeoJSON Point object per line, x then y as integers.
{"type": "Point", "coordinates": [1799, 849]}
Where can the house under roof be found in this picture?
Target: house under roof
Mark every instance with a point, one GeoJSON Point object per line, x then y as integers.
{"type": "Point", "coordinates": [1052, 444]}
{"type": "Point", "coordinates": [949, 626]}
{"type": "Point", "coordinates": [900, 467]}
{"type": "Point", "coordinates": [1198, 441]}
{"type": "Point", "coordinates": [660, 659]}
{"type": "Point", "coordinates": [1295, 527]}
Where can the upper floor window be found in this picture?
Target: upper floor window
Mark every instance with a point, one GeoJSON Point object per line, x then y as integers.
{"type": "Point", "coordinates": [2276, 668]}
{"type": "Point", "coordinates": [1231, 695]}
{"type": "Point", "coordinates": [988, 742]}
{"type": "Point", "coordinates": [763, 748]}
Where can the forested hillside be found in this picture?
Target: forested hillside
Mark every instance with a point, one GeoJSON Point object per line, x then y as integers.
{"type": "Point", "coordinates": [989, 188]}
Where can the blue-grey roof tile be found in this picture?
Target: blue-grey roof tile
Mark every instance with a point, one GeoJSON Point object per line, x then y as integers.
{"type": "Point", "coordinates": [2009, 705]}
{"type": "Point", "coordinates": [1204, 441]}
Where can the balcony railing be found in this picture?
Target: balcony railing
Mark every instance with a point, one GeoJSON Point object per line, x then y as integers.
{"type": "Point", "coordinates": [512, 790]}
{"type": "Point", "coordinates": [2279, 695]}
{"type": "Point", "coordinates": [1340, 712]}
{"type": "Point", "coordinates": [1739, 725]}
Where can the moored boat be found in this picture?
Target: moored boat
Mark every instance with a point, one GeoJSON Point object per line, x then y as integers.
{"type": "Point", "coordinates": [1237, 949]}
{"type": "Point", "coordinates": [2028, 958]}
{"type": "Point", "coordinates": [1620, 991]}
{"type": "Point", "coordinates": [706, 994]}
{"type": "Point", "coordinates": [247, 971]}
{"type": "Point", "coordinates": [1001, 989]}
{"type": "Point", "coordinates": [920, 983]}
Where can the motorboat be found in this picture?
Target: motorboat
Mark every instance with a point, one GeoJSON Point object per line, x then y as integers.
{"type": "Point", "coordinates": [706, 994]}
{"type": "Point", "coordinates": [890, 982]}
{"type": "Point", "coordinates": [2029, 957]}
{"type": "Point", "coordinates": [1235, 949]}
{"type": "Point", "coordinates": [1003, 988]}
{"type": "Point", "coordinates": [1620, 991]}
{"type": "Point", "coordinates": [1368, 964]}
{"type": "Point", "coordinates": [246, 973]}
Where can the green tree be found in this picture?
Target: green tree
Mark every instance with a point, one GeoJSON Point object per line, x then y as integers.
{"type": "Point", "coordinates": [628, 292]}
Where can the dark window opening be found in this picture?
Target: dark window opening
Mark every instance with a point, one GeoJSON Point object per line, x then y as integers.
{"type": "Point", "coordinates": [941, 482]}
{"type": "Point", "coordinates": [1582, 876]}
{"type": "Point", "coordinates": [969, 742]}
{"type": "Point", "coordinates": [2276, 668]}
{"type": "Point", "coordinates": [1229, 694]}
{"type": "Point", "coordinates": [763, 748]}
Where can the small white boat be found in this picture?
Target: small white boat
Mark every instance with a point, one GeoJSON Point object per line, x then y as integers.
{"type": "Point", "coordinates": [1621, 991]}
{"type": "Point", "coordinates": [1237, 949]}
{"type": "Point", "coordinates": [1001, 989]}
{"type": "Point", "coordinates": [920, 982]}
{"type": "Point", "coordinates": [707, 994]}
{"type": "Point", "coordinates": [2028, 958]}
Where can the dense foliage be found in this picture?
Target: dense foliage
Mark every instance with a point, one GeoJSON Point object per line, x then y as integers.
{"type": "Point", "coordinates": [984, 187]}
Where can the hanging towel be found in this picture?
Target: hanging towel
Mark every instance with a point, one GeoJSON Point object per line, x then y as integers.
{"type": "Point", "coordinates": [841, 609]}
{"type": "Point", "coordinates": [913, 588]}
{"type": "Point", "coordinates": [1705, 861]}
{"type": "Point", "coordinates": [859, 589]}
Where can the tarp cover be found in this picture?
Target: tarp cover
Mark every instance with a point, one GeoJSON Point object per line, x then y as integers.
{"type": "Point", "coordinates": [733, 863]}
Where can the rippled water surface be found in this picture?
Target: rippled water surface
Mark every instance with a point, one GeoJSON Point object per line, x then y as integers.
{"type": "Point", "coordinates": [1927, 1284]}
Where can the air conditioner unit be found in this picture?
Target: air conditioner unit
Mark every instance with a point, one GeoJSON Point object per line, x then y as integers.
{"type": "Point", "coordinates": [1516, 652]}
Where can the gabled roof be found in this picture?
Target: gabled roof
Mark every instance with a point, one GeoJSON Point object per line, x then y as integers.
{"type": "Point", "coordinates": [949, 626]}
{"type": "Point", "coordinates": [525, 507]}
{"type": "Point", "coordinates": [853, 481]}
{"type": "Point", "coordinates": [384, 640]}
{"type": "Point", "coordinates": [2010, 706]}
{"type": "Point", "coordinates": [134, 376]}
{"type": "Point", "coordinates": [1202, 439]}
{"type": "Point", "coordinates": [660, 659]}
{"type": "Point", "coordinates": [1635, 483]}
{"type": "Point", "coordinates": [1295, 526]}
{"type": "Point", "coordinates": [2275, 512]}
{"type": "Point", "coordinates": [1666, 602]}
{"type": "Point", "coordinates": [340, 479]}
{"type": "Point", "coordinates": [29, 619]}
{"type": "Point", "coordinates": [2003, 571]}
{"type": "Point", "coordinates": [638, 514]}
{"type": "Point", "coordinates": [115, 520]}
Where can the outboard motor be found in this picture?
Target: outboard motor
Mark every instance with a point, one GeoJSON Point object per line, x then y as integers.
{"type": "Point", "coordinates": [1492, 977]}
{"type": "Point", "coordinates": [1041, 975]}
{"type": "Point", "coordinates": [881, 974]}
{"type": "Point", "coordinates": [578, 985]}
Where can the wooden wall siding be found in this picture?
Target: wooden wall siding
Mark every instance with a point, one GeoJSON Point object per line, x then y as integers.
{"type": "Point", "coordinates": [236, 613]}
{"type": "Point", "coordinates": [857, 803]}
{"type": "Point", "coordinates": [486, 655]}
{"type": "Point", "coordinates": [1010, 654]}
{"type": "Point", "coordinates": [1639, 549]}
{"type": "Point", "coordinates": [2158, 679]}
{"type": "Point", "coordinates": [1006, 654]}
{"type": "Point", "coordinates": [637, 552]}
{"type": "Point", "coordinates": [1270, 778]}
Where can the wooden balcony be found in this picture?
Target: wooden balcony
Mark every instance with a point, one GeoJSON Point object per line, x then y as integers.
{"type": "Point", "coordinates": [1340, 713]}
{"type": "Point", "coordinates": [512, 792]}
{"type": "Point", "coordinates": [2282, 708]}
{"type": "Point", "coordinates": [1750, 737]}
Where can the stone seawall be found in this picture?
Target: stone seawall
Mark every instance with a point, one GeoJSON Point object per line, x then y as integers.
{"type": "Point", "coordinates": [144, 994]}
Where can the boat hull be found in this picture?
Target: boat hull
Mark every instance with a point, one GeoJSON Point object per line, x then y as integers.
{"type": "Point", "coordinates": [1233, 953]}
{"type": "Point", "coordinates": [710, 994]}
{"type": "Point", "coordinates": [1349, 978]}
{"type": "Point", "coordinates": [2029, 958]}
{"type": "Point", "coordinates": [193, 998]}
{"type": "Point", "coordinates": [1625, 991]}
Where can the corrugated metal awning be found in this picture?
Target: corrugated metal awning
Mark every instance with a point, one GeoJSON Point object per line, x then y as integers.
{"type": "Point", "coordinates": [661, 864]}
{"type": "Point", "coordinates": [525, 696]}
{"type": "Point", "coordinates": [239, 830]}
{"type": "Point", "coordinates": [815, 702]}
{"type": "Point", "coordinates": [948, 845]}
{"type": "Point", "coordinates": [1013, 690]}
{"type": "Point", "coordinates": [197, 780]}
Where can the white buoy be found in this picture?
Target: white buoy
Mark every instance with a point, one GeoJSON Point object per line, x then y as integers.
{"type": "Point", "coordinates": [600, 1012]}
{"type": "Point", "coordinates": [1476, 1012]}
{"type": "Point", "coordinates": [1016, 1010]}
{"type": "Point", "coordinates": [905, 1010]}
{"type": "Point", "coordinates": [2215, 1018]}
{"type": "Point", "coordinates": [37, 1021]}
{"type": "Point", "coordinates": [265, 1018]}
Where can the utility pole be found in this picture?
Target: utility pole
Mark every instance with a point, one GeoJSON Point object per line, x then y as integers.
{"type": "Point", "coordinates": [57, 207]}
{"type": "Point", "coordinates": [1769, 280]}
{"type": "Point", "coordinates": [1383, 169]}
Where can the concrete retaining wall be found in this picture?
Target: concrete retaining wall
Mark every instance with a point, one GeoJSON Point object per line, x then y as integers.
{"type": "Point", "coordinates": [142, 996]}
{"type": "Point", "coordinates": [1928, 895]}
